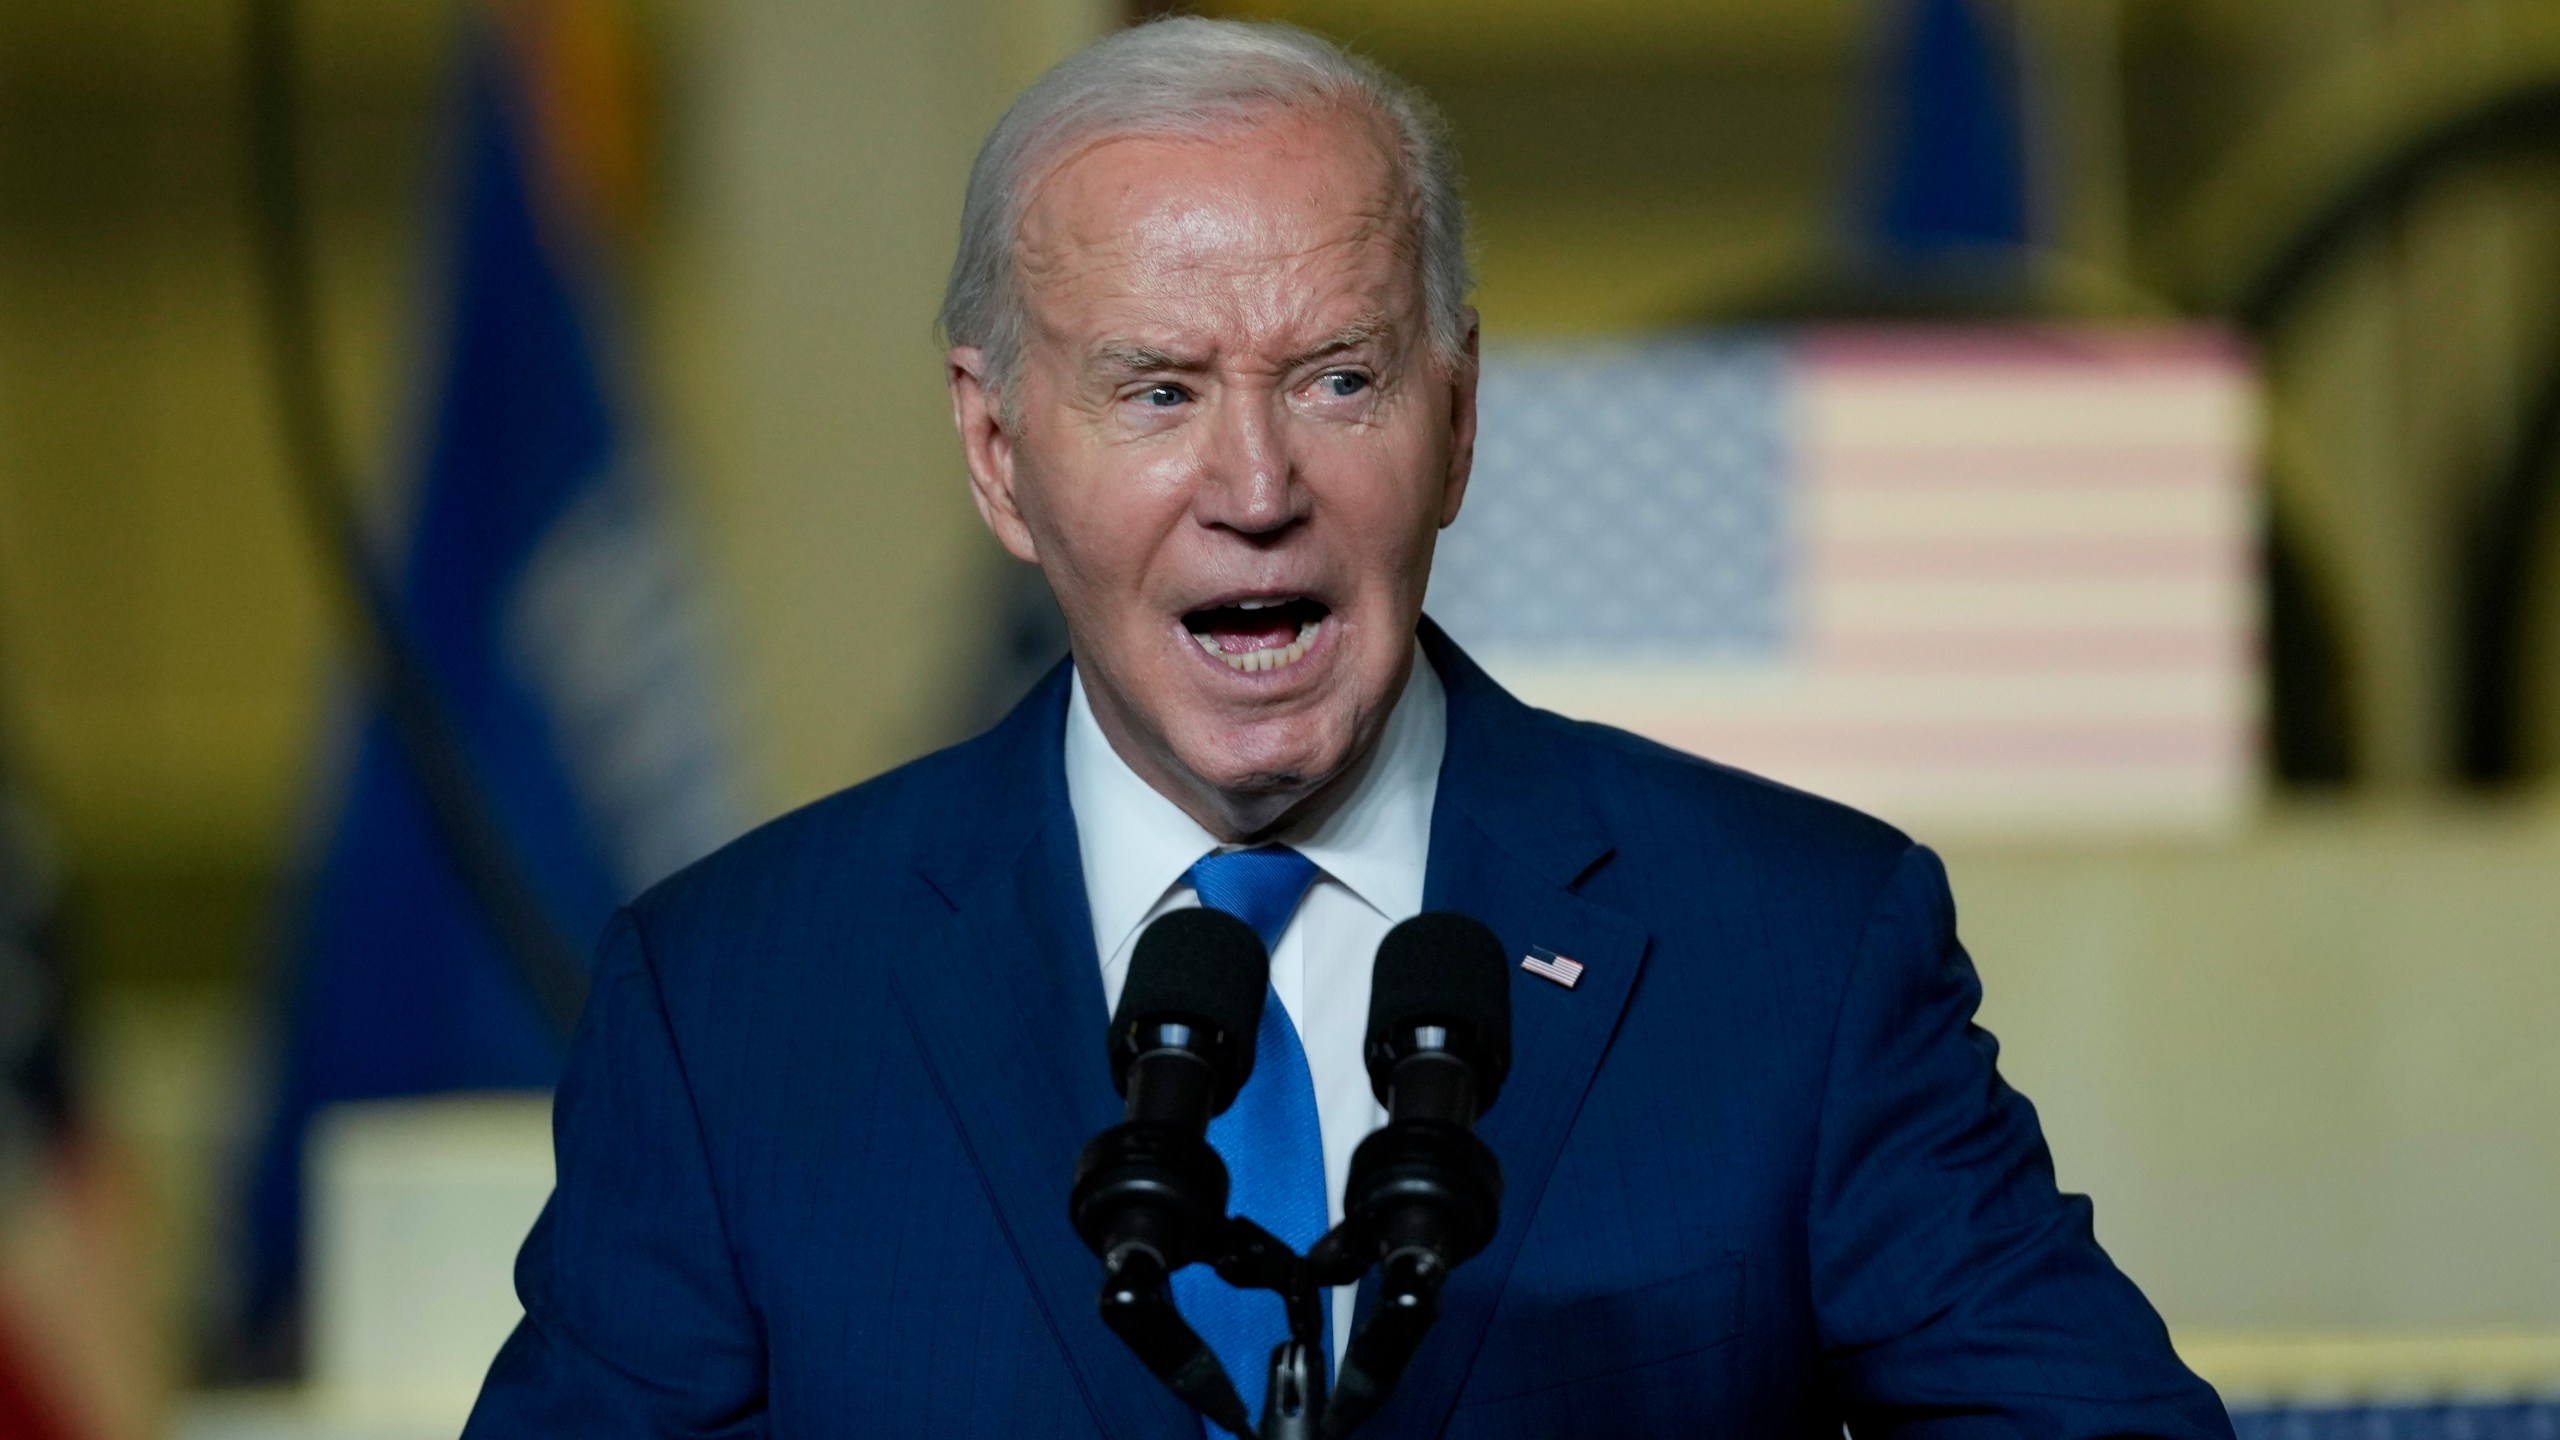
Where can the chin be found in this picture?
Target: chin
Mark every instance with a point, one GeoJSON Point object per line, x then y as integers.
{"type": "Point", "coordinates": [1273, 758]}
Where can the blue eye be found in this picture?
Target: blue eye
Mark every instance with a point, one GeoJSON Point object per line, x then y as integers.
{"type": "Point", "coordinates": [1342, 384]}
{"type": "Point", "coordinates": [1163, 397]}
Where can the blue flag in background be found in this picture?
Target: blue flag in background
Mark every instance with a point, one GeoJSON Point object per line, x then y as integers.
{"type": "Point", "coordinates": [545, 599]}
{"type": "Point", "coordinates": [1951, 149]}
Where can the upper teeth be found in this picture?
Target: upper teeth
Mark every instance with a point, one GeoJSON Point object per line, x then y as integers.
{"type": "Point", "coordinates": [1258, 660]}
{"type": "Point", "coordinates": [1258, 604]}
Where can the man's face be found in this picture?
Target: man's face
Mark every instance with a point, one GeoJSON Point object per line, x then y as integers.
{"type": "Point", "coordinates": [1232, 448]}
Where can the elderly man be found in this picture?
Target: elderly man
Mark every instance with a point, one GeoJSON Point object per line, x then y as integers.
{"type": "Point", "coordinates": [1213, 371]}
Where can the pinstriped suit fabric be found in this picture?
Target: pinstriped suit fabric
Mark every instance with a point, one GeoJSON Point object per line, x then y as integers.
{"type": "Point", "coordinates": [1761, 1174]}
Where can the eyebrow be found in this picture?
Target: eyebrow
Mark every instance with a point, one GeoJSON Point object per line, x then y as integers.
{"type": "Point", "coordinates": [1370, 327]}
{"type": "Point", "coordinates": [1128, 357]}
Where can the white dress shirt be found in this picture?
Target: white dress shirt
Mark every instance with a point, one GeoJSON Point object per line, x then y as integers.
{"type": "Point", "coordinates": [1369, 852]}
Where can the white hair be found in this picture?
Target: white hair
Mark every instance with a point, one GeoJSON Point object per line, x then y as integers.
{"type": "Point", "coordinates": [1189, 76]}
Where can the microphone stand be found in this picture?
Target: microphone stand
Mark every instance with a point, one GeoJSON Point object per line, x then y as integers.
{"type": "Point", "coordinates": [1408, 1302]}
{"type": "Point", "coordinates": [1137, 1303]}
{"type": "Point", "coordinates": [1293, 1394]}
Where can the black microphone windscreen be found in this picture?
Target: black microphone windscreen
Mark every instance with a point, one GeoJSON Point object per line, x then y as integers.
{"type": "Point", "coordinates": [1203, 967]}
{"type": "Point", "coordinates": [1442, 968]}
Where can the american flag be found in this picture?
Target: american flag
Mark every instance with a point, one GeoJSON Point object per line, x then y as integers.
{"type": "Point", "coordinates": [80, 1357]}
{"type": "Point", "coordinates": [1991, 581]}
{"type": "Point", "coordinates": [1548, 965]}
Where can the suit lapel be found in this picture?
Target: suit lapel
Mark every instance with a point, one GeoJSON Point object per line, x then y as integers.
{"type": "Point", "coordinates": [1511, 836]}
{"type": "Point", "coordinates": [1010, 1018]}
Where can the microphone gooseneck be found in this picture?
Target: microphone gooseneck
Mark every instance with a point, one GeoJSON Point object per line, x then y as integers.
{"type": "Point", "coordinates": [1150, 1193]}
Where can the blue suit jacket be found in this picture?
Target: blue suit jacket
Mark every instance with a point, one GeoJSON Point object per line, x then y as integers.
{"type": "Point", "coordinates": [1761, 1175]}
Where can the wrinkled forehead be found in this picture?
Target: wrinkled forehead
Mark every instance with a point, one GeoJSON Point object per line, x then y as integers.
{"type": "Point", "coordinates": [1286, 213]}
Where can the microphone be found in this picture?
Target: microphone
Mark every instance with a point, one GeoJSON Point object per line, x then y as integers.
{"type": "Point", "coordinates": [1150, 1193]}
{"type": "Point", "coordinates": [1425, 1194]}
{"type": "Point", "coordinates": [1181, 1043]}
{"type": "Point", "coordinates": [1439, 1042]}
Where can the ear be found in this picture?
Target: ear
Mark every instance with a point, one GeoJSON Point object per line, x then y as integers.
{"type": "Point", "coordinates": [1462, 422]}
{"type": "Point", "coordinates": [987, 446]}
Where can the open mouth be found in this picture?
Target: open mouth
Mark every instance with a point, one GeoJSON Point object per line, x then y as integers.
{"type": "Point", "coordinates": [1258, 635]}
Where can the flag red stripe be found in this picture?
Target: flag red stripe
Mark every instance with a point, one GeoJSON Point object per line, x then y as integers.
{"type": "Point", "coordinates": [2060, 651]}
{"type": "Point", "coordinates": [2068, 467]}
{"type": "Point", "coordinates": [2015, 746]}
{"type": "Point", "coordinates": [2085, 558]}
{"type": "Point", "coordinates": [26, 1411]}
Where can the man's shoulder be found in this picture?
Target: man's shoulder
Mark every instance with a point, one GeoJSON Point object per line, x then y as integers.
{"type": "Point", "coordinates": [854, 849]}
{"type": "Point", "coordinates": [1677, 804]}
{"type": "Point", "coordinates": [1668, 814]}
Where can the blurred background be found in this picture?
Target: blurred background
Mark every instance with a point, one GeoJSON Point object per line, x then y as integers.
{"type": "Point", "coordinates": [461, 458]}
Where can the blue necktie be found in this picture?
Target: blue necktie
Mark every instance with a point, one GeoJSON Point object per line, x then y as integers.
{"type": "Point", "coordinates": [1269, 1138]}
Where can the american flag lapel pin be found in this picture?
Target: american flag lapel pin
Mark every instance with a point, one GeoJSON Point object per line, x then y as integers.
{"type": "Point", "coordinates": [1548, 965]}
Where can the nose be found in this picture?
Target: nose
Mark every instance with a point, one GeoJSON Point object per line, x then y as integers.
{"type": "Point", "coordinates": [1248, 483]}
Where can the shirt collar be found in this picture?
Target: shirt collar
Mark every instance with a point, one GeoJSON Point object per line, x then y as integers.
{"type": "Point", "coordinates": [1136, 844]}
{"type": "Point", "coordinates": [1377, 842]}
